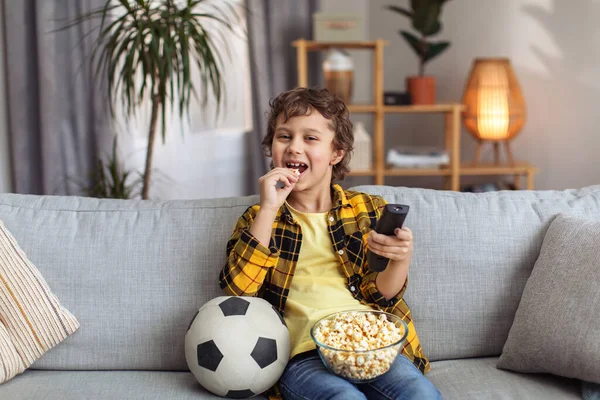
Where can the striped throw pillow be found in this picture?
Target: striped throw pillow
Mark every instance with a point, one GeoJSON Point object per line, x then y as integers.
{"type": "Point", "coordinates": [32, 321]}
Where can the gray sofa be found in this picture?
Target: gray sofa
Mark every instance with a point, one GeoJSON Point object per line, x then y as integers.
{"type": "Point", "coordinates": [135, 272]}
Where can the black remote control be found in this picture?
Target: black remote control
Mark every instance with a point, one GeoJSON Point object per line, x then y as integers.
{"type": "Point", "coordinates": [393, 217]}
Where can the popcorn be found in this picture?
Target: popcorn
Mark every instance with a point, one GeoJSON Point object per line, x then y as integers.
{"type": "Point", "coordinates": [296, 171]}
{"type": "Point", "coordinates": [355, 332]}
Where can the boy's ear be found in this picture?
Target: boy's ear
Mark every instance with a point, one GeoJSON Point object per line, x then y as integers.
{"type": "Point", "coordinates": [337, 156]}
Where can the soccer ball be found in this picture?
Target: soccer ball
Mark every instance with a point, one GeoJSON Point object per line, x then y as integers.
{"type": "Point", "coordinates": [237, 347]}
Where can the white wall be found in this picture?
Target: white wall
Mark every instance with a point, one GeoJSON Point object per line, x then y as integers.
{"type": "Point", "coordinates": [554, 48]}
{"type": "Point", "coordinates": [194, 165]}
{"type": "Point", "coordinates": [5, 184]}
{"type": "Point", "coordinates": [205, 156]}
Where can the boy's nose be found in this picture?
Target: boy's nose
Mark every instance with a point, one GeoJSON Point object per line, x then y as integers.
{"type": "Point", "coordinates": [295, 147]}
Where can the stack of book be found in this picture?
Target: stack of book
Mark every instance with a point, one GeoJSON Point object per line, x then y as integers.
{"type": "Point", "coordinates": [417, 157]}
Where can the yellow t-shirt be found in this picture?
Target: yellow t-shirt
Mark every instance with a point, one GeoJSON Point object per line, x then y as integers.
{"type": "Point", "coordinates": [319, 285]}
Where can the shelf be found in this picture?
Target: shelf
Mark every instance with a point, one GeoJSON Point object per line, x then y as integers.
{"type": "Point", "coordinates": [417, 172]}
{"type": "Point", "coordinates": [424, 108]}
{"type": "Point", "coordinates": [465, 169]}
{"type": "Point", "coordinates": [451, 112]}
{"type": "Point", "coordinates": [433, 108]}
{"type": "Point", "coordinates": [362, 108]}
{"type": "Point", "coordinates": [362, 172]}
{"type": "Point", "coordinates": [405, 172]}
{"type": "Point", "coordinates": [469, 168]}
{"type": "Point", "coordinates": [312, 45]}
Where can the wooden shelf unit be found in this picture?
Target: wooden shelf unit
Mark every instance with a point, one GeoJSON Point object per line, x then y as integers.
{"type": "Point", "coordinates": [452, 118]}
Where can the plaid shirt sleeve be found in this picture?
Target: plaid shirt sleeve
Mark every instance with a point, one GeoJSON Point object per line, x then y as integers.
{"type": "Point", "coordinates": [248, 260]}
{"type": "Point", "coordinates": [368, 286]}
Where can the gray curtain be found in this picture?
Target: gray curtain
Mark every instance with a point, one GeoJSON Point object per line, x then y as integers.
{"type": "Point", "coordinates": [272, 27]}
{"type": "Point", "coordinates": [57, 114]}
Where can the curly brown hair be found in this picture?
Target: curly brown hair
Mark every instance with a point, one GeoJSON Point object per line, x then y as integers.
{"type": "Point", "coordinates": [301, 101]}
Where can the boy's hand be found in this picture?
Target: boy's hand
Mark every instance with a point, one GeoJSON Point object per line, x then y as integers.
{"type": "Point", "coordinates": [272, 197]}
{"type": "Point", "coordinates": [397, 248]}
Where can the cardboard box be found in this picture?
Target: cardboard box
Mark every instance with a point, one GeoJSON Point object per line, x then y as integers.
{"type": "Point", "coordinates": [338, 28]}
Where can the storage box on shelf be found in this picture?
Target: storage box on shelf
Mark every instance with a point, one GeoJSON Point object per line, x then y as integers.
{"type": "Point", "coordinates": [450, 111]}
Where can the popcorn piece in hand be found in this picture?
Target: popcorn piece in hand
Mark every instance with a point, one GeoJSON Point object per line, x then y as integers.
{"type": "Point", "coordinates": [296, 171]}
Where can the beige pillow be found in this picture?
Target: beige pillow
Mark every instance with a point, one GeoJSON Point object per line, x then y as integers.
{"type": "Point", "coordinates": [557, 325]}
{"type": "Point", "coordinates": [32, 321]}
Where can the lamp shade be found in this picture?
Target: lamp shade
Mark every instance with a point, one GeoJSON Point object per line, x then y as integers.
{"type": "Point", "coordinates": [494, 103]}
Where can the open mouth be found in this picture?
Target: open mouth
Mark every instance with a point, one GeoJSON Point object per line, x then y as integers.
{"type": "Point", "coordinates": [301, 167]}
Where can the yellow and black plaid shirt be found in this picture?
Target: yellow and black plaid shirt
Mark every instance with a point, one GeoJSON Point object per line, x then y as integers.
{"type": "Point", "coordinates": [252, 269]}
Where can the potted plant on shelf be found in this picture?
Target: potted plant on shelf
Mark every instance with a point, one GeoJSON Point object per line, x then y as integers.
{"type": "Point", "coordinates": [148, 50]}
{"type": "Point", "coordinates": [424, 16]}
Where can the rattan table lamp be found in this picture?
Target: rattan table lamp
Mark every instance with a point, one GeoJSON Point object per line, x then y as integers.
{"type": "Point", "coordinates": [495, 107]}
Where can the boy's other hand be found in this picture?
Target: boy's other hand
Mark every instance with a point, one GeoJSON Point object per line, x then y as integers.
{"type": "Point", "coordinates": [397, 247]}
{"type": "Point", "coordinates": [272, 197]}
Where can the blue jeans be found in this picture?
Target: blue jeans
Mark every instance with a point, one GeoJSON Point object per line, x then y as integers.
{"type": "Point", "coordinates": [306, 378]}
{"type": "Point", "coordinates": [590, 390]}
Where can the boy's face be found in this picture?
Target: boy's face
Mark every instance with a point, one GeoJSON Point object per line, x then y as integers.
{"type": "Point", "coordinates": [306, 140]}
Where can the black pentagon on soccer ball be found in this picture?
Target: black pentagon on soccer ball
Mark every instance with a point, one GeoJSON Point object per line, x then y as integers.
{"type": "Point", "coordinates": [234, 306]}
{"type": "Point", "coordinates": [240, 394]}
{"type": "Point", "coordinates": [265, 352]}
{"type": "Point", "coordinates": [209, 355]}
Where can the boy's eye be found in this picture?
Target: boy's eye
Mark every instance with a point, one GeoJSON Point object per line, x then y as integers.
{"type": "Point", "coordinates": [283, 136]}
{"type": "Point", "coordinates": [311, 137]}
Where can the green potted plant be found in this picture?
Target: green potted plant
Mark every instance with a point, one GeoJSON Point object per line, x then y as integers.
{"type": "Point", "coordinates": [148, 48]}
{"type": "Point", "coordinates": [111, 181]}
{"type": "Point", "coordinates": [425, 19]}
{"type": "Point", "coordinates": [108, 179]}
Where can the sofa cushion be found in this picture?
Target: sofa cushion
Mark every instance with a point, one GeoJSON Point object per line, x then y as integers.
{"type": "Point", "coordinates": [457, 379]}
{"type": "Point", "coordinates": [101, 385]}
{"type": "Point", "coordinates": [32, 320]}
{"type": "Point", "coordinates": [133, 272]}
{"type": "Point", "coordinates": [478, 378]}
{"type": "Point", "coordinates": [557, 325]}
{"type": "Point", "coordinates": [473, 253]}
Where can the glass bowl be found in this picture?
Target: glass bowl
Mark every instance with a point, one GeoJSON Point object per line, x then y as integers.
{"type": "Point", "coordinates": [352, 355]}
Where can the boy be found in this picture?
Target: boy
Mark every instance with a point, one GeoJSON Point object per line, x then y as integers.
{"type": "Point", "coordinates": [303, 248]}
